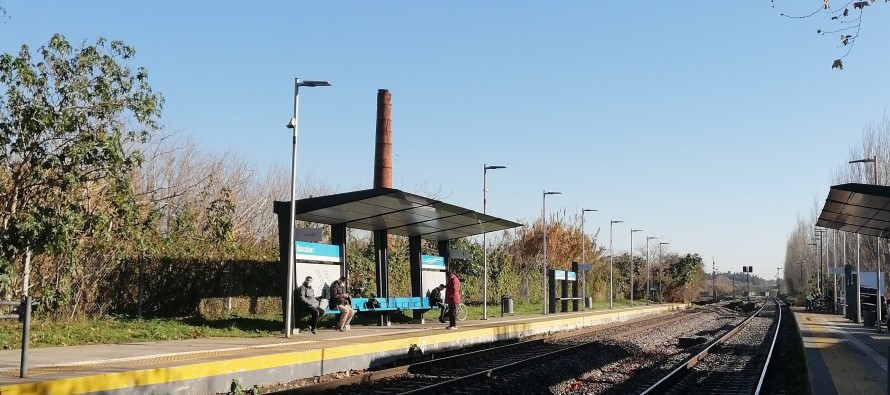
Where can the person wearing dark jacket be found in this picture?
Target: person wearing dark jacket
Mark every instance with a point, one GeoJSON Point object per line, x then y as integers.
{"type": "Point", "coordinates": [343, 301]}
{"type": "Point", "coordinates": [452, 297]}
{"type": "Point", "coordinates": [307, 302]}
{"type": "Point", "coordinates": [436, 300]}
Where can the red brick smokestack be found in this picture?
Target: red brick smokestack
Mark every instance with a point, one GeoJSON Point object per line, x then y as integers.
{"type": "Point", "coordinates": [383, 148]}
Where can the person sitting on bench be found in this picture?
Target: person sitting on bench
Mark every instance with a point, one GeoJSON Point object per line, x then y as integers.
{"type": "Point", "coordinates": [343, 302]}
{"type": "Point", "coordinates": [436, 300]}
{"type": "Point", "coordinates": [307, 302]}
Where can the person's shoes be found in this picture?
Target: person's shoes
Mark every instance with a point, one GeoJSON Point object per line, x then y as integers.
{"type": "Point", "coordinates": [348, 327]}
{"type": "Point", "coordinates": [442, 320]}
{"type": "Point", "coordinates": [313, 331]}
{"type": "Point", "coordinates": [451, 327]}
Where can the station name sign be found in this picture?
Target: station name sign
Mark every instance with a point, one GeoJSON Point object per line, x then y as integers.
{"type": "Point", "coordinates": [306, 251]}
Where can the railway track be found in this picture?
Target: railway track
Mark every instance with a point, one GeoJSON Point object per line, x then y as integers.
{"type": "Point", "coordinates": [736, 363]}
{"type": "Point", "coordinates": [441, 375]}
{"type": "Point", "coordinates": [723, 365]}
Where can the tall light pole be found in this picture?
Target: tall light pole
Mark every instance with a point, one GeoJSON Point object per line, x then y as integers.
{"type": "Point", "coordinates": [583, 257]}
{"type": "Point", "coordinates": [632, 231]}
{"type": "Point", "coordinates": [660, 269]}
{"type": "Point", "coordinates": [611, 261]}
{"type": "Point", "coordinates": [544, 266]}
{"type": "Point", "coordinates": [878, 273]}
{"type": "Point", "coordinates": [485, 169]}
{"type": "Point", "coordinates": [289, 298]}
{"type": "Point", "coordinates": [648, 287]}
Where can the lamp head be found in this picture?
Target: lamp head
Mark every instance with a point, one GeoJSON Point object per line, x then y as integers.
{"type": "Point", "coordinates": [635, 230]}
{"type": "Point", "coordinates": [495, 167]}
{"type": "Point", "coordinates": [313, 84]}
{"type": "Point", "coordinates": [552, 193]}
{"type": "Point", "coordinates": [616, 222]}
{"type": "Point", "coordinates": [587, 210]}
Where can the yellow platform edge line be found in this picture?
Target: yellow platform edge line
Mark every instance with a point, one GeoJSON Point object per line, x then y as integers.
{"type": "Point", "coordinates": [135, 378]}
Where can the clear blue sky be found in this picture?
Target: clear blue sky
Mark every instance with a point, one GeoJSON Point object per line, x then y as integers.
{"type": "Point", "coordinates": [711, 125]}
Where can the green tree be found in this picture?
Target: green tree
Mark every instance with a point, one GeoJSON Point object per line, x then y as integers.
{"type": "Point", "coordinates": [67, 116]}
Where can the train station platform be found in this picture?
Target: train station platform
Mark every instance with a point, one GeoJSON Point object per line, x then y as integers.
{"type": "Point", "coordinates": [843, 357]}
{"type": "Point", "coordinates": [208, 366]}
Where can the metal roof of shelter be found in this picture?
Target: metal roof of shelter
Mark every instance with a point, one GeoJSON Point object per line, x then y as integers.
{"type": "Point", "coordinates": [400, 213]}
{"type": "Point", "coordinates": [857, 208]}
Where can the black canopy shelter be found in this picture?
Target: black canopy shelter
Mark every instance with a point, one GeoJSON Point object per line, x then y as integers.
{"type": "Point", "coordinates": [386, 211]}
{"type": "Point", "coordinates": [857, 208]}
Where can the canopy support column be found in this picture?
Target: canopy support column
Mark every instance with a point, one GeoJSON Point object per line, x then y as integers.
{"type": "Point", "coordinates": [338, 238]}
{"type": "Point", "coordinates": [416, 274]}
{"type": "Point", "coordinates": [381, 259]}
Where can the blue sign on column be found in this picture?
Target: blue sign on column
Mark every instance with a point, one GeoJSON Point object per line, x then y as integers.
{"type": "Point", "coordinates": [306, 251]}
{"type": "Point", "coordinates": [432, 262]}
{"type": "Point", "coordinates": [561, 275]}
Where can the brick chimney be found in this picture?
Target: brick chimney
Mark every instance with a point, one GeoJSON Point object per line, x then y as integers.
{"type": "Point", "coordinates": [383, 146]}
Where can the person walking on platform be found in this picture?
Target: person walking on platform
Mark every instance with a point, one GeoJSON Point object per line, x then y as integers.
{"type": "Point", "coordinates": [810, 299]}
{"type": "Point", "coordinates": [343, 301]}
{"type": "Point", "coordinates": [452, 297]}
{"type": "Point", "coordinates": [436, 300]}
{"type": "Point", "coordinates": [307, 302]}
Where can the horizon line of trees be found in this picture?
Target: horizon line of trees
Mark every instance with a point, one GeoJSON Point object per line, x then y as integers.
{"type": "Point", "coordinates": [94, 191]}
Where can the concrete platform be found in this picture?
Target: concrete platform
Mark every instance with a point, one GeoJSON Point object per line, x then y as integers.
{"type": "Point", "coordinates": [205, 366]}
{"type": "Point", "coordinates": [843, 357]}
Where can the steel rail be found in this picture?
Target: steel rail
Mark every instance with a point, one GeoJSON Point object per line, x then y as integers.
{"type": "Point", "coordinates": [642, 324]}
{"type": "Point", "coordinates": [771, 348]}
{"type": "Point", "coordinates": [663, 385]}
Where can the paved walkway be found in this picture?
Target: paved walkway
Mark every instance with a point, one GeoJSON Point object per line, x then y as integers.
{"type": "Point", "coordinates": [843, 357]}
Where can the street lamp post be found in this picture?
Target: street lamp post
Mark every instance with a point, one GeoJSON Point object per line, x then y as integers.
{"type": "Point", "coordinates": [289, 298]}
{"type": "Point", "coordinates": [632, 231]}
{"type": "Point", "coordinates": [660, 269]}
{"type": "Point", "coordinates": [878, 273]}
{"type": "Point", "coordinates": [485, 169]}
{"type": "Point", "coordinates": [544, 266]}
{"type": "Point", "coordinates": [611, 261]}
{"type": "Point", "coordinates": [648, 287]}
{"type": "Point", "coordinates": [584, 258]}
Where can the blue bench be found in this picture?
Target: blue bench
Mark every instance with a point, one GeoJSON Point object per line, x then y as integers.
{"type": "Point", "coordinates": [390, 304]}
